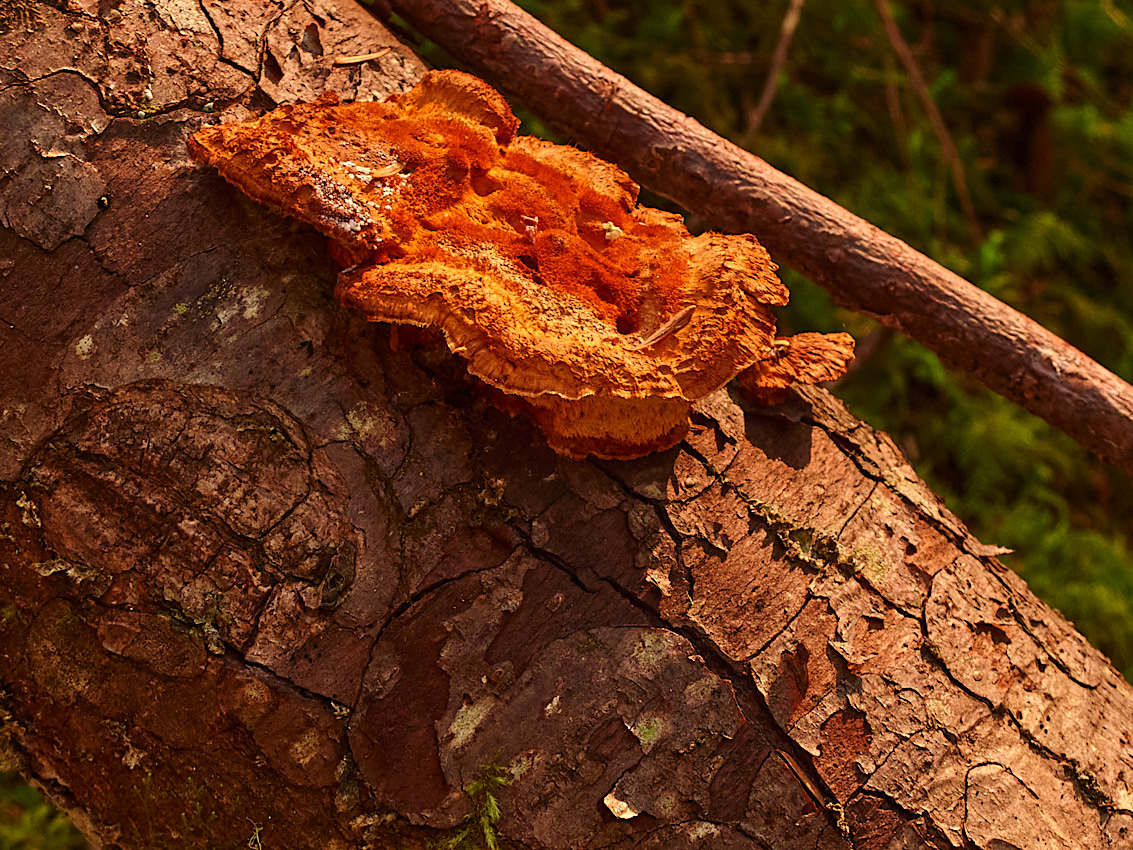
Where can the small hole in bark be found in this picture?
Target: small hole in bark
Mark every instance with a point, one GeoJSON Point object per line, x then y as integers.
{"type": "Point", "coordinates": [311, 41]}
{"type": "Point", "coordinates": [997, 635]}
{"type": "Point", "coordinates": [272, 69]}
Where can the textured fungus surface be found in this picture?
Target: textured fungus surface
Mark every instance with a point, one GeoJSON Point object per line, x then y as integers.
{"type": "Point", "coordinates": [606, 318]}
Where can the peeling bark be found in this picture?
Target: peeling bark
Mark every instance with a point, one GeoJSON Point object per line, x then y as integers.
{"type": "Point", "coordinates": [263, 574]}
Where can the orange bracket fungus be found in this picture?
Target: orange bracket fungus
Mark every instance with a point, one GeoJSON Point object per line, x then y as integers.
{"type": "Point", "coordinates": [604, 319]}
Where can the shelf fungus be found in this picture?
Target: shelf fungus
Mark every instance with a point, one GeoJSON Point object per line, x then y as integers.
{"type": "Point", "coordinates": [603, 319]}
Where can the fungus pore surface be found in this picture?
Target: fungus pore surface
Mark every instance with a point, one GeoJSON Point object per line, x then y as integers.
{"type": "Point", "coordinates": [603, 319]}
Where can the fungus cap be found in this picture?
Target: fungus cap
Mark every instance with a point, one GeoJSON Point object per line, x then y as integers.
{"type": "Point", "coordinates": [603, 319]}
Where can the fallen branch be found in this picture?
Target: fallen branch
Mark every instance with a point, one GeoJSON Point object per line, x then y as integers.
{"type": "Point", "coordinates": [864, 268]}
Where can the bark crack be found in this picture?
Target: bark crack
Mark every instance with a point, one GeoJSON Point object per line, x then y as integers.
{"type": "Point", "coordinates": [18, 330]}
{"type": "Point", "coordinates": [1024, 623]}
{"type": "Point", "coordinates": [341, 712]}
{"type": "Point", "coordinates": [749, 700]}
{"type": "Point", "coordinates": [1081, 777]}
{"type": "Point", "coordinates": [790, 621]}
{"type": "Point", "coordinates": [852, 450]}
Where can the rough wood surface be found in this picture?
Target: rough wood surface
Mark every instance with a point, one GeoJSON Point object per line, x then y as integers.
{"type": "Point", "coordinates": [864, 268]}
{"type": "Point", "coordinates": [264, 578]}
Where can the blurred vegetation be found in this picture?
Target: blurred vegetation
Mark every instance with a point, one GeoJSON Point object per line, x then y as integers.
{"type": "Point", "coordinates": [28, 822]}
{"type": "Point", "coordinates": [1036, 98]}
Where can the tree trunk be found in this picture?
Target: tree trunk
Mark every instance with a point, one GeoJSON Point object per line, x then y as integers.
{"type": "Point", "coordinates": [269, 582]}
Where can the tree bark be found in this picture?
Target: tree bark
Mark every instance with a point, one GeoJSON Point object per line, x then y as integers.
{"type": "Point", "coordinates": [863, 268]}
{"type": "Point", "coordinates": [267, 582]}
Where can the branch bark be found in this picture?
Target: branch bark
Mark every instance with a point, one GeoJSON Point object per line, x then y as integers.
{"type": "Point", "coordinates": [864, 268]}
{"type": "Point", "coordinates": [266, 579]}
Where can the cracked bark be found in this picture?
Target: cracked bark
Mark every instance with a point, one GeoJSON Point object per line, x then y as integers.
{"type": "Point", "coordinates": [263, 574]}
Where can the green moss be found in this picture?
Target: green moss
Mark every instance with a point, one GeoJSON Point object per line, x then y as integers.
{"type": "Point", "coordinates": [650, 649]}
{"type": "Point", "coordinates": [478, 831]}
{"type": "Point", "coordinates": [648, 730]}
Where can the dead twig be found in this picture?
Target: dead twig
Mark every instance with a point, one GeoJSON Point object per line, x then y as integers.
{"type": "Point", "coordinates": [943, 137]}
{"type": "Point", "coordinates": [778, 58]}
{"type": "Point", "coordinates": [365, 57]}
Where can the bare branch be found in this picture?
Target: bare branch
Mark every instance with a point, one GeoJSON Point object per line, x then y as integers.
{"type": "Point", "coordinates": [778, 58]}
{"type": "Point", "coordinates": [947, 146]}
{"type": "Point", "coordinates": [864, 268]}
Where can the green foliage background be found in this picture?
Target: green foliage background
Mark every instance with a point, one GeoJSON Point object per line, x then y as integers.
{"type": "Point", "coordinates": [28, 822]}
{"type": "Point", "coordinates": [1036, 95]}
